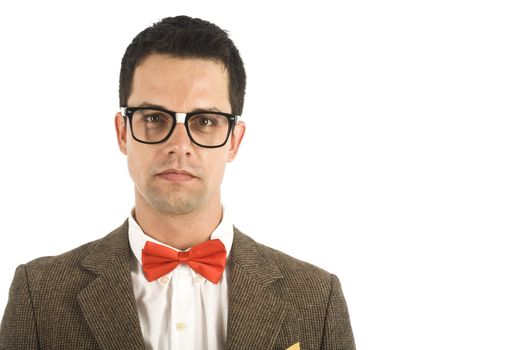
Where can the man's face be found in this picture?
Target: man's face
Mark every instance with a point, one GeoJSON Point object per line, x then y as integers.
{"type": "Point", "coordinates": [159, 170]}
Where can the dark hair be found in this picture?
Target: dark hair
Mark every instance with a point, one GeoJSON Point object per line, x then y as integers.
{"type": "Point", "coordinates": [183, 36]}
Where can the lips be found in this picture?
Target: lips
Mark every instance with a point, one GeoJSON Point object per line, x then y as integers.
{"type": "Point", "coordinates": [176, 175]}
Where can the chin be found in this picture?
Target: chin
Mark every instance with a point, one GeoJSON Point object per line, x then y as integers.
{"type": "Point", "coordinates": [177, 205]}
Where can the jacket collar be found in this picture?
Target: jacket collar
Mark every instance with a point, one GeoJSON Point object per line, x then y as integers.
{"type": "Point", "coordinates": [254, 304]}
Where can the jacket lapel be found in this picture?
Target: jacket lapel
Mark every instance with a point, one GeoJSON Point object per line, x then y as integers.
{"type": "Point", "coordinates": [108, 303]}
{"type": "Point", "coordinates": [256, 310]}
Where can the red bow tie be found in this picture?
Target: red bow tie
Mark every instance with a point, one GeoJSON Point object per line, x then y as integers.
{"type": "Point", "coordinates": [208, 259]}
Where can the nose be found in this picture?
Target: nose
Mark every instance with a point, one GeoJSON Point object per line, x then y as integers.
{"type": "Point", "coordinates": [179, 142]}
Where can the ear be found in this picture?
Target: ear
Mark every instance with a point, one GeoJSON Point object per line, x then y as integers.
{"type": "Point", "coordinates": [120, 128]}
{"type": "Point", "coordinates": [236, 139]}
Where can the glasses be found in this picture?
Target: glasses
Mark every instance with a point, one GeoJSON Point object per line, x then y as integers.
{"type": "Point", "coordinates": [154, 125]}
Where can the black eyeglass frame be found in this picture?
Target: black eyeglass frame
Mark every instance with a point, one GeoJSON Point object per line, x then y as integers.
{"type": "Point", "coordinates": [127, 112]}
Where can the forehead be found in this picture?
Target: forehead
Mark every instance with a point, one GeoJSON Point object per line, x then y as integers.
{"type": "Point", "coordinates": [180, 83]}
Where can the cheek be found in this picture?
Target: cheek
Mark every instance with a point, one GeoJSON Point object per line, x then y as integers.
{"type": "Point", "coordinates": [137, 162]}
{"type": "Point", "coordinates": [215, 163]}
{"type": "Point", "coordinates": [132, 166]}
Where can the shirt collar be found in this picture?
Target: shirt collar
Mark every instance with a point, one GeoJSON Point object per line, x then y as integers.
{"type": "Point", "coordinates": [137, 237]}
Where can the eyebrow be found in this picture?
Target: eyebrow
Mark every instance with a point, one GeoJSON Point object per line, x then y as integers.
{"type": "Point", "coordinates": [153, 105]}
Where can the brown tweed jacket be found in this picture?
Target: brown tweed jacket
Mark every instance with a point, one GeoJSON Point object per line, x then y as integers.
{"type": "Point", "coordinates": [84, 299]}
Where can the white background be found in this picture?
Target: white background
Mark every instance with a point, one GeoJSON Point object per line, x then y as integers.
{"type": "Point", "coordinates": [385, 144]}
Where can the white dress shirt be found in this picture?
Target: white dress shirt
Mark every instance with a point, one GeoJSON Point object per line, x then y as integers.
{"type": "Point", "coordinates": [180, 310]}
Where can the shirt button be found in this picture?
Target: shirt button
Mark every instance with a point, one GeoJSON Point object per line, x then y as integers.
{"type": "Point", "coordinates": [164, 280]}
{"type": "Point", "coordinates": [180, 326]}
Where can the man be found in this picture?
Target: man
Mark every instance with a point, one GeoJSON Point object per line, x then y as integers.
{"type": "Point", "coordinates": [177, 274]}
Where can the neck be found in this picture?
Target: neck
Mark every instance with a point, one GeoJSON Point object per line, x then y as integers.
{"type": "Point", "coordinates": [178, 231]}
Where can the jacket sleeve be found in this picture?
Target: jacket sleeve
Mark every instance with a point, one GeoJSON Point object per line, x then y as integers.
{"type": "Point", "coordinates": [337, 332]}
{"type": "Point", "coordinates": [18, 327]}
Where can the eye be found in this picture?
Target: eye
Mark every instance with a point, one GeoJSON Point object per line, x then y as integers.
{"type": "Point", "coordinates": [204, 120]}
{"type": "Point", "coordinates": [152, 118]}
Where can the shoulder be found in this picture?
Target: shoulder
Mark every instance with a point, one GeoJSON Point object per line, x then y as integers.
{"type": "Point", "coordinates": [294, 271]}
{"type": "Point", "coordinates": [47, 270]}
{"type": "Point", "coordinates": [67, 258]}
{"type": "Point", "coordinates": [316, 310]}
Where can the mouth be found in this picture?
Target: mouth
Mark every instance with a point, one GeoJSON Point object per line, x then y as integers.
{"type": "Point", "coordinates": [176, 175]}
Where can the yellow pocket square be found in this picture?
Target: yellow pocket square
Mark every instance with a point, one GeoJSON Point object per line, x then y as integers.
{"type": "Point", "coordinates": [296, 346]}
